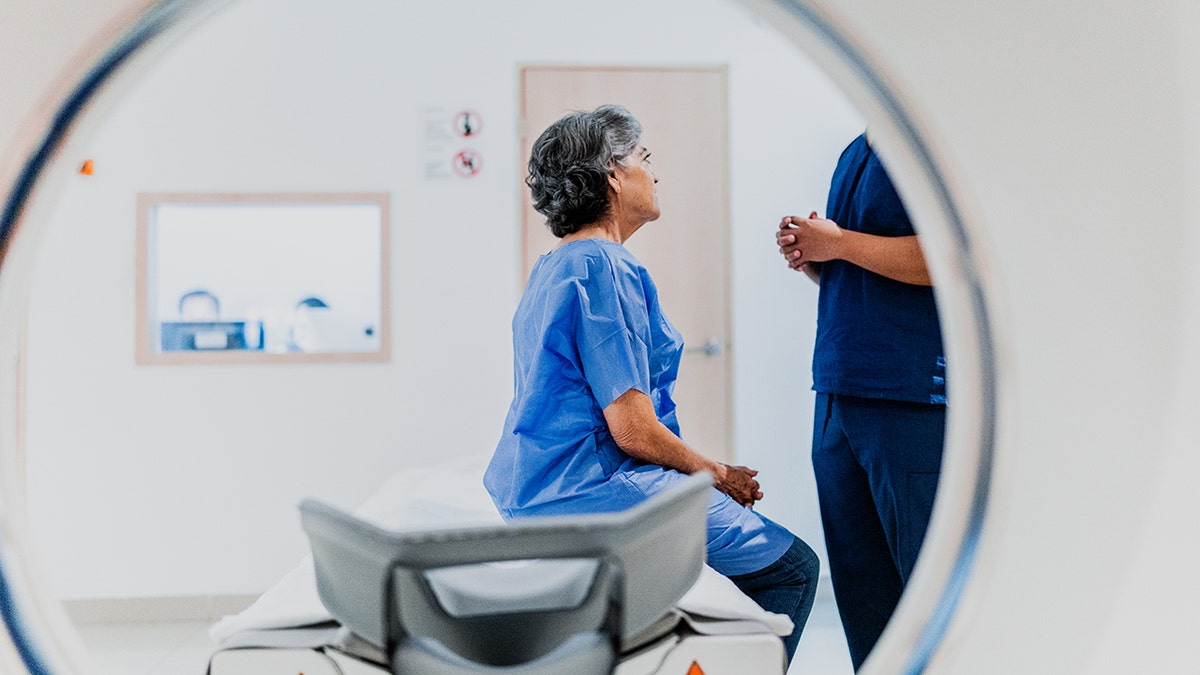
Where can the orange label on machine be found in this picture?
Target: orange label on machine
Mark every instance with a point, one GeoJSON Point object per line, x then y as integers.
{"type": "Point", "coordinates": [695, 669]}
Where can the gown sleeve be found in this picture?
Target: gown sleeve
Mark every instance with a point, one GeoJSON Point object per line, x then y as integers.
{"type": "Point", "coordinates": [612, 332]}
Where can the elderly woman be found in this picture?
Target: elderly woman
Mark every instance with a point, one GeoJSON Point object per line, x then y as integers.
{"type": "Point", "coordinates": [592, 426]}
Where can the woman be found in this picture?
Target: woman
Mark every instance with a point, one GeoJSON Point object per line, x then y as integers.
{"type": "Point", "coordinates": [592, 425]}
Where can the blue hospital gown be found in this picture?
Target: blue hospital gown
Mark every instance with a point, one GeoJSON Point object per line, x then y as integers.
{"type": "Point", "coordinates": [589, 328]}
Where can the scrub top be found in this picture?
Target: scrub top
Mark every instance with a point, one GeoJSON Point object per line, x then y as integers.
{"type": "Point", "coordinates": [588, 329]}
{"type": "Point", "coordinates": [876, 337]}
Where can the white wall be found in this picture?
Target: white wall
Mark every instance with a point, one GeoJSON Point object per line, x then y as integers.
{"type": "Point", "coordinates": [148, 481]}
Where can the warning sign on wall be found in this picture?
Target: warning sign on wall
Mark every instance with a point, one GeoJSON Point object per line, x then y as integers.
{"type": "Point", "coordinates": [467, 163]}
{"type": "Point", "coordinates": [467, 124]}
{"type": "Point", "coordinates": [446, 132]}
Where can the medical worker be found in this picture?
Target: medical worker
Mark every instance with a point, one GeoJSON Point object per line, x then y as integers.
{"type": "Point", "coordinates": [592, 426]}
{"type": "Point", "coordinates": [879, 373]}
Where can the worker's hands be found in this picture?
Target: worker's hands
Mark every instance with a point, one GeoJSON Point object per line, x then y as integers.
{"type": "Point", "coordinates": [808, 240]}
{"type": "Point", "coordinates": [738, 482]}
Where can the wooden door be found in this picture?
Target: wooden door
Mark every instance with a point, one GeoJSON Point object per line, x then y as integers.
{"type": "Point", "coordinates": [683, 112]}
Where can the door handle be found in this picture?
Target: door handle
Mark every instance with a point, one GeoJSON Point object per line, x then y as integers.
{"type": "Point", "coordinates": [711, 347]}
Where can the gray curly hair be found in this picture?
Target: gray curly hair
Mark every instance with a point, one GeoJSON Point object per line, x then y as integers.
{"type": "Point", "coordinates": [571, 162]}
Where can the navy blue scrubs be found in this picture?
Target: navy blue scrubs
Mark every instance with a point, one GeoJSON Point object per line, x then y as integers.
{"type": "Point", "coordinates": [879, 372]}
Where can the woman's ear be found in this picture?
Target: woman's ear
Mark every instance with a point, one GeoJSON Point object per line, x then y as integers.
{"type": "Point", "coordinates": [614, 182]}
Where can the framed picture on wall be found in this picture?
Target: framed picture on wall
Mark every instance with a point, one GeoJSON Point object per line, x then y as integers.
{"type": "Point", "coordinates": [262, 278]}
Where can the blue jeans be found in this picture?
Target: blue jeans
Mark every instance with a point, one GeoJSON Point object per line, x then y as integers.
{"type": "Point", "coordinates": [786, 586]}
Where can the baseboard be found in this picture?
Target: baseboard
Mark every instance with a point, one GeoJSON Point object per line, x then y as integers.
{"type": "Point", "coordinates": [151, 609]}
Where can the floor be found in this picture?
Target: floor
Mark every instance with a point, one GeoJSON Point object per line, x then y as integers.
{"type": "Point", "coordinates": [183, 647]}
{"type": "Point", "coordinates": [822, 649]}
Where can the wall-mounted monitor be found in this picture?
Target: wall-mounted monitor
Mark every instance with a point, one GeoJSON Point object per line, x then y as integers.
{"type": "Point", "coordinates": [262, 278]}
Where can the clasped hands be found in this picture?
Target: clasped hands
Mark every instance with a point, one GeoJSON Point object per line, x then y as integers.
{"type": "Point", "coordinates": [807, 240]}
{"type": "Point", "coordinates": [738, 482]}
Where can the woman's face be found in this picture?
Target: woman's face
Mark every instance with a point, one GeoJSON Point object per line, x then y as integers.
{"type": "Point", "coordinates": [638, 198]}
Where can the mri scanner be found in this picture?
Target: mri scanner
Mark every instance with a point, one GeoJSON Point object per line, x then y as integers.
{"type": "Point", "coordinates": [1052, 151]}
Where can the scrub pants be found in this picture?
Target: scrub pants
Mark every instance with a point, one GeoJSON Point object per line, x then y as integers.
{"type": "Point", "coordinates": [877, 464]}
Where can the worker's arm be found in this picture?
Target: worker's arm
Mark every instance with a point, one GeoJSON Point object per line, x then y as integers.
{"type": "Point", "coordinates": [804, 241]}
{"type": "Point", "coordinates": [636, 429]}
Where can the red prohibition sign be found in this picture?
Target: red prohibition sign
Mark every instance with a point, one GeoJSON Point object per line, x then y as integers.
{"type": "Point", "coordinates": [467, 163]}
{"type": "Point", "coordinates": [468, 124]}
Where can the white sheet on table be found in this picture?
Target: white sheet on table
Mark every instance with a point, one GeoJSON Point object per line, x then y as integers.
{"type": "Point", "coordinates": [452, 495]}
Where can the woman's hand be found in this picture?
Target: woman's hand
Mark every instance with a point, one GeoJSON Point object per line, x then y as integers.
{"type": "Point", "coordinates": [738, 482]}
{"type": "Point", "coordinates": [636, 430]}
